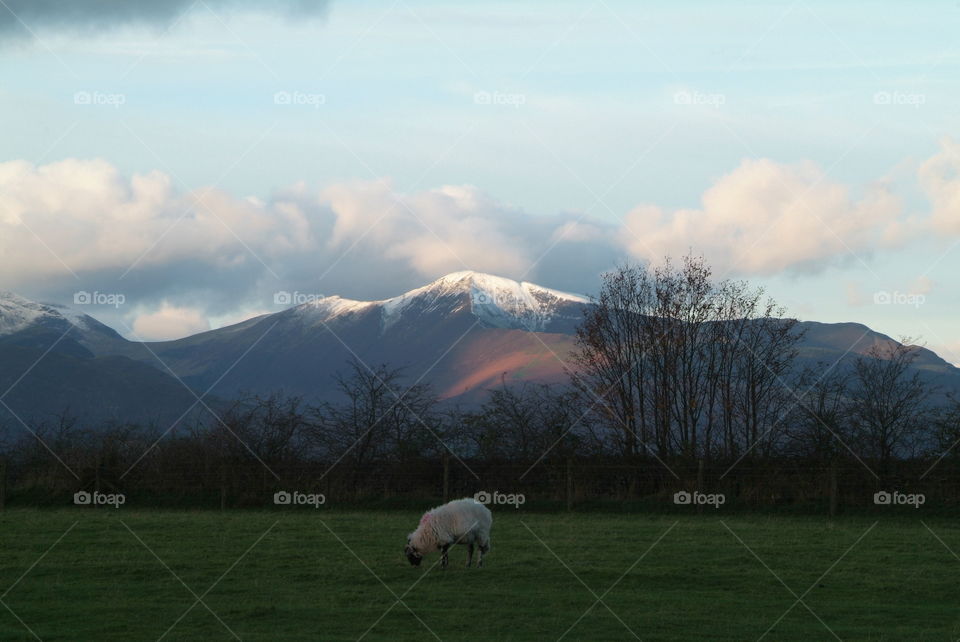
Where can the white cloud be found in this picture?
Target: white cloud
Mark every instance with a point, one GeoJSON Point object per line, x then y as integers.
{"type": "Point", "coordinates": [82, 215]}
{"type": "Point", "coordinates": [765, 217]}
{"type": "Point", "coordinates": [434, 232]}
{"type": "Point", "coordinates": [940, 179]}
{"type": "Point", "coordinates": [225, 253]}
{"type": "Point", "coordinates": [169, 322]}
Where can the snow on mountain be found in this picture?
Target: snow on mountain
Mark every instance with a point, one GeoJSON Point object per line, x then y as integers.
{"type": "Point", "coordinates": [18, 313]}
{"type": "Point", "coordinates": [331, 307]}
{"type": "Point", "coordinates": [496, 301]}
{"type": "Point", "coordinates": [502, 303]}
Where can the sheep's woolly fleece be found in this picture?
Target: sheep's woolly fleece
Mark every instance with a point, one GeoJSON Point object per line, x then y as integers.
{"type": "Point", "coordinates": [462, 521]}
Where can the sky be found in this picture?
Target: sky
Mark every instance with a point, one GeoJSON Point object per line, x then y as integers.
{"type": "Point", "coordinates": [183, 162]}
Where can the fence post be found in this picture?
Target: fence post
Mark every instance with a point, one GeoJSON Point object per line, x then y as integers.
{"type": "Point", "coordinates": [833, 488]}
{"type": "Point", "coordinates": [223, 486]}
{"type": "Point", "coordinates": [569, 483]}
{"type": "Point", "coordinates": [446, 476]}
{"type": "Point", "coordinates": [700, 482]}
{"type": "Point", "coordinates": [96, 482]}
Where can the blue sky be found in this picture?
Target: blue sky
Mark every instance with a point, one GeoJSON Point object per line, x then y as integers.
{"type": "Point", "coordinates": [576, 114]}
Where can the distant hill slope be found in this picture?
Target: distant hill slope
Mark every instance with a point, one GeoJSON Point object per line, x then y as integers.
{"type": "Point", "coordinates": [463, 334]}
{"type": "Point", "coordinates": [48, 366]}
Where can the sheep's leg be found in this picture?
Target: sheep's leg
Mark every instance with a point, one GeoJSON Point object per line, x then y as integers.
{"type": "Point", "coordinates": [469, 554]}
{"type": "Point", "coordinates": [484, 548]}
{"type": "Point", "coordinates": [444, 559]}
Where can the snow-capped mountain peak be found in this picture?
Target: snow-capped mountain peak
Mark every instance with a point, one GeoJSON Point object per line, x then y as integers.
{"type": "Point", "coordinates": [503, 302]}
{"type": "Point", "coordinates": [18, 313]}
{"type": "Point", "coordinates": [496, 301]}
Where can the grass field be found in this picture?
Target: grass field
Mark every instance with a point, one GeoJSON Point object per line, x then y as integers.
{"type": "Point", "coordinates": [102, 574]}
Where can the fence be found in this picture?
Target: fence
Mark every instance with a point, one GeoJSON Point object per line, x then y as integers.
{"type": "Point", "coordinates": [570, 483]}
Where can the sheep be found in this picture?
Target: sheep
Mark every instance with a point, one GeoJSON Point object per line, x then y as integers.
{"type": "Point", "coordinates": [462, 521]}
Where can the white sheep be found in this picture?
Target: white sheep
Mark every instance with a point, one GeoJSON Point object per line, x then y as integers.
{"type": "Point", "coordinates": [462, 521]}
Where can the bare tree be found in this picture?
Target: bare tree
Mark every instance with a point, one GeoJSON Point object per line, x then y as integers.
{"type": "Point", "coordinates": [819, 426]}
{"type": "Point", "coordinates": [946, 422]}
{"type": "Point", "coordinates": [526, 422]}
{"type": "Point", "coordinates": [888, 403]}
{"type": "Point", "coordinates": [673, 358]}
{"type": "Point", "coordinates": [764, 358]}
{"type": "Point", "coordinates": [612, 364]}
{"type": "Point", "coordinates": [380, 418]}
{"type": "Point", "coordinates": [686, 304]}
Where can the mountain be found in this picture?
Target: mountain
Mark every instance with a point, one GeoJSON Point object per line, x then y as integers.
{"type": "Point", "coordinates": [18, 314]}
{"type": "Point", "coordinates": [463, 333]}
{"type": "Point", "coordinates": [827, 343]}
{"type": "Point", "coordinates": [49, 364]}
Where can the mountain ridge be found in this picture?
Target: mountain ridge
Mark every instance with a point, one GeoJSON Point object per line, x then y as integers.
{"type": "Point", "coordinates": [463, 333]}
{"type": "Point", "coordinates": [498, 301]}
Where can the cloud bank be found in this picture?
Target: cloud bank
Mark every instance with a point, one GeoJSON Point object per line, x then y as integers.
{"type": "Point", "coordinates": [82, 225]}
{"type": "Point", "coordinates": [764, 218]}
{"type": "Point", "coordinates": [26, 18]}
{"type": "Point", "coordinates": [169, 322]}
{"type": "Point", "coordinates": [182, 258]}
{"type": "Point", "coordinates": [940, 180]}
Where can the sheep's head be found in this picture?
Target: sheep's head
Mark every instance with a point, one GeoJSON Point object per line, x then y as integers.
{"type": "Point", "coordinates": [413, 555]}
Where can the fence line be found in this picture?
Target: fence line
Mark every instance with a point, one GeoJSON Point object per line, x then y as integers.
{"type": "Point", "coordinates": [562, 482]}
